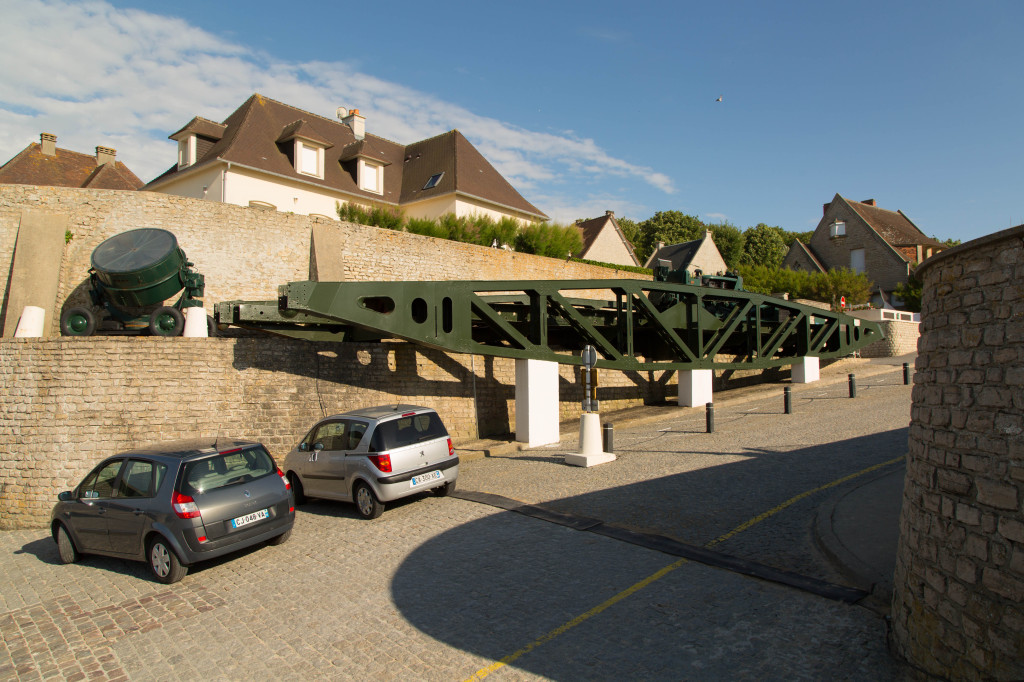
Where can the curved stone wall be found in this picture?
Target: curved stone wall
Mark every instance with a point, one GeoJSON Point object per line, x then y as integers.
{"type": "Point", "coordinates": [958, 603]}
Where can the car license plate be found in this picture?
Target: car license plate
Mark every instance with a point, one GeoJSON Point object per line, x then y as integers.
{"type": "Point", "coordinates": [250, 518]}
{"type": "Point", "coordinates": [426, 478]}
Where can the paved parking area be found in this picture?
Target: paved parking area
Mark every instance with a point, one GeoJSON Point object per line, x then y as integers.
{"type": "Point", "coordinates": [449, 589]}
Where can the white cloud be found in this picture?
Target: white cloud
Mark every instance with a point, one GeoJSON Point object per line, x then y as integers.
{"type": "Point", "coordinates": [96, 75]}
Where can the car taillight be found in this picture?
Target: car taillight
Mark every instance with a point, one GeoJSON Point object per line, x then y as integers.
{"type": "Point", "coordinates": [451, 448]}
{"type": "Point", "coordinates": [382, 462]}
{"type": "Point", "coordinates": [184, 506]}
{"type": "Point", "coordinates": [287, 483]}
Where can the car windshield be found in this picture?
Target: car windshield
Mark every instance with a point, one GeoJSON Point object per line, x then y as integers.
{"type": "Point", "coordinates": [228, 468]}
{"type": "Point", "coordinates": [397, 433]}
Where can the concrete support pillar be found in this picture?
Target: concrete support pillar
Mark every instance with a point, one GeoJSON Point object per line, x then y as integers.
{"type": "Point", "coordinates": [694, 387]}
{"type": "Point", "coordinates": [536, 402]}
{"type": "Point", "coordinates": [805, 370]}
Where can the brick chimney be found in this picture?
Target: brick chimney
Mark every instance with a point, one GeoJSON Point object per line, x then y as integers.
{"type": "Point", "coordinates": [356, 122]}
{"type": "Point", "coordinates": [105, 155]}
{"type": "Point", "coordinates": [824, 208]}
{"type": "Point", "coordinates": [610, 214]}
{"type": "Point", "coordinates": [48, 143]}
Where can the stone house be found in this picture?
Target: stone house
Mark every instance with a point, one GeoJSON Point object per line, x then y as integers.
{"type": "Point", "coordinates": [605, 242]}
{"type": "Point", "coordinates": [699, 254]}
{"type": "Point", "coordinates": [274, 156]}
{"type": "Point", "coordinates": [44, 163]}
{"type": "Point", "coordinates": [864, 238]}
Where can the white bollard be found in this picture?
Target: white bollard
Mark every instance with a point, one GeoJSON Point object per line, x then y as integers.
{"type": "Point", "coordinates": [30, 324]}
{"type": "Point", "coordinates": [591, 446]}
{"type": "Point", "coordinates": [195, 322]}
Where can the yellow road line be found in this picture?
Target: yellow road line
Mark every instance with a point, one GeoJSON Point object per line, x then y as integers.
{"type": "Point", "coordinates": [561, 629]}
{"type": "Point", "coordinates": [775, 510]}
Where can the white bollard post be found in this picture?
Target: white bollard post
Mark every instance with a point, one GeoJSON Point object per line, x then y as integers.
{"type": "Point", "coordinates": [30, 324]}
{"type": "Point", "coordinates": [591, 446]}
{"type": "Point", "coordinates": [195, 322]}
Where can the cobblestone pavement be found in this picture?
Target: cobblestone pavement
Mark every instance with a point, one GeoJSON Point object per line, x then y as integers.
{"type": "Point", "coordinates": [441, 588]}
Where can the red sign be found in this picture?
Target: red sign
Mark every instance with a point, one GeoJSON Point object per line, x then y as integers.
{"type": "Point", "coordinates": [842, 301]}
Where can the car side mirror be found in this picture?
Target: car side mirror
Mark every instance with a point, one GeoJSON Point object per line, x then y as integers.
{"type": "Point", "coordinates": [65, 496]}
{"type": "Point", "coordinates": [303, 447]}
{"type": "Point", "coordinates": [318, 446]}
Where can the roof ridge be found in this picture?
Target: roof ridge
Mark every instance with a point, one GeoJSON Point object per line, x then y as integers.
{"type": "Point", "coordinates": [332, 121]}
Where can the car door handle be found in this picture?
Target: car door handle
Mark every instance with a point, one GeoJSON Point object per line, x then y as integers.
{"type": "Point", "coordinates": [137, 511]}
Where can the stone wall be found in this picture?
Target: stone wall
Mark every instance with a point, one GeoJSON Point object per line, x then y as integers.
{"type": "Point", "coordinates": [900, 339]}
{"type": "Point", "coordinates": [246, 253]}
{"type": "Point", "coordinates": [70, 401]}
{"type": "Point", "coordinates": [958, 604]}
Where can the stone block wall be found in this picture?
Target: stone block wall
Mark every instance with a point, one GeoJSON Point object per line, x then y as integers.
{"type": "Point", "coordinates": [900, 338]}
{"type": "Point", "coordinates": [246, 253]}
{"type": "Point", "coordinates": [958, 604]}
{"type": "Point", "coordinates": [68, 402]}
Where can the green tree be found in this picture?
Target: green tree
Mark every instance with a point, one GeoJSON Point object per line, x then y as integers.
{"type": "Point", "coordinates": [631, 229]}
{"type": "Point", "coordinates": [671, 227]}
{"type": "Point", "coordinates": [545, 239]}
{"type": "Point", "coordinates": [830, 286]}
{"type": "Point", "coordinates": [764, 245]}
{"type": "Point", "coordinates": [910, 292]}
{"type": "Point", "coordinates": [788, 237]}
{"type": "Point", "coordinates": [729, 240]}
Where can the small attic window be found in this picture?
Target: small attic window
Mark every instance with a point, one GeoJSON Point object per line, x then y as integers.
{"type": "Point", "coordinates": [309, 159]}
{"type": "Point", "coordinates": [434, 179]}
{"type": "Point", "coordinates": [186, 151]}
{"type": "Point", "coordinates": [837, 229]}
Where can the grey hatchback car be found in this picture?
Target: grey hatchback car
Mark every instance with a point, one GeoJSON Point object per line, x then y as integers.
{"type": "Point", "coordinates": [374, 455]}
{"type": "Point", "coordinates": [175, 504]}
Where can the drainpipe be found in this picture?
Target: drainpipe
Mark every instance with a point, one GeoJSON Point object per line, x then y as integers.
{"type": "Point", "coordinates": [224, 184]}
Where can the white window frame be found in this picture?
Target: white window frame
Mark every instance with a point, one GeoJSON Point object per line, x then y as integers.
{"type": "Point", "coordinates": [186, 151]}
{"type": "Point", "coordinates": [837, 228]}
{"type": "Point", "coordinates": [368, 172]}
{"type": "Point", "coordinates": [302, 158]}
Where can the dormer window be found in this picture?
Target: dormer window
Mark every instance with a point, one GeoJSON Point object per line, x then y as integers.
{"type": "Point", "coordinates": [434, 179]}
{"type": "Point", "coordinates": [309, 158]}
{"type": "Point", "coordinates": [371, 177]}
{"type": "Point", "coordinates": [186, 151]}
{"type": "Point", "coordinates": [837, 229]}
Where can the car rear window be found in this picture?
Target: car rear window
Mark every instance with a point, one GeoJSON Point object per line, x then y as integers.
{"type": "Point", "coordinates": [397, 433]}
{"type": "Point", "coordinates": [228, 468]}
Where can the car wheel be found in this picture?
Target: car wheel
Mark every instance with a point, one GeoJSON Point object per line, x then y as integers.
{"type": "Point", "coordinates": [163, 562]}
{"type": "Point", "coordinates": [65, 546]}
{"type": "Point", "coordinates": [78, 321]}
{"type": "Point", "coordinates": [298, 494]}
{"type": "Point", "coordinates": [280, 539]}
{"type": "Point", "coordinates": [445, 490]}
{"type": "Point", "coordinates": [166, 321]}
{"type": "Point", "coordinates": [367, 504]}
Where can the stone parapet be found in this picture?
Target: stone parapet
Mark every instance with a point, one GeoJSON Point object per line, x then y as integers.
{"type": "Point", "coordinates": [958, 605]}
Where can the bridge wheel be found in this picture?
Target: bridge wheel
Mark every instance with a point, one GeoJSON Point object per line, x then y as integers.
{"type": "Point", "coordinates": [166, 321]}
{"type": "Point", "coordinates": [78, 321]}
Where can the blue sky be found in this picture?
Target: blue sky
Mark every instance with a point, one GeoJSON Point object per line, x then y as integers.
{"type": "Point", "coordinates": [585, 107]}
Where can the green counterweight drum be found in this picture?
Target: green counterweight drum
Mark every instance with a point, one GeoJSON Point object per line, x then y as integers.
{"type": "Point", "coordinates": [140, 267]}
{"type": "Point", "coordinates": [131, 273]}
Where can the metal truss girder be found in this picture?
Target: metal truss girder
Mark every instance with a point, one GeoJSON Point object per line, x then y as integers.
{"type": "Point", "coordinates": [640, 325]}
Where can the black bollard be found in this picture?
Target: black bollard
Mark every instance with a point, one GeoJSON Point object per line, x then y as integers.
{"type": "Point", "coordinates": [787, 394]}
{"type": "Point", "coordinates": [608, 437]}
{"type": "Point", "coordinates": [711, 417]}
{"type": "Point", "coordinates": [853, 386]}
{"type": "Point", "coordinates": [906, 373]}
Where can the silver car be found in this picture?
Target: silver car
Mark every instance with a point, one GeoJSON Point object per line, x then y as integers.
{"type": "Point", "coordinates": [176, 504]}
{"type": "Point", "coordinates": [372, 456]}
